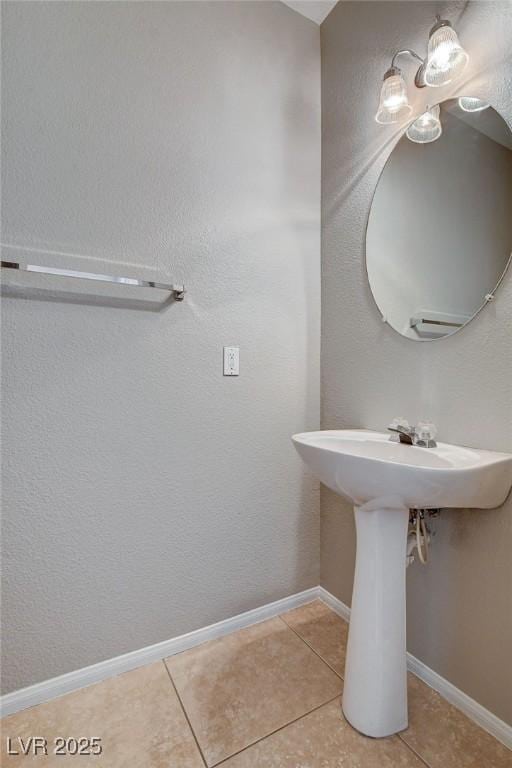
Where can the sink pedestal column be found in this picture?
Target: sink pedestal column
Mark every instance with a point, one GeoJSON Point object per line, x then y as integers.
{"type": "Point", "coordinates": [375, 689]}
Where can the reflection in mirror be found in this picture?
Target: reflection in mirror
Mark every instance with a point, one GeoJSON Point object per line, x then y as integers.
{"type": "Point", "coordinates": [439, 234]}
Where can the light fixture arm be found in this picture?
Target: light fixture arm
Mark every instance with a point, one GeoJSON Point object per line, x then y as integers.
{"type": "Point", "coordinates": [403, 52]}
{"type": "Point", "coordinates": [419, 80]}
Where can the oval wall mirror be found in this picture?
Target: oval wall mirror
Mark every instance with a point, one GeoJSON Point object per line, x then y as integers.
{"type": "Point", "coordinates": [439, 234]}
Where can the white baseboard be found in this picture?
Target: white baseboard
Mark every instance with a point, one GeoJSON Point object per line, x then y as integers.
{"type": "Point", "coordinates": [481, 716]}
{"type": "Point", "coordinates": [337, 606]}
{"type": "Point", "coordinates": [72, 681]}
{"type": "Point", "coordinates": [471, 708]}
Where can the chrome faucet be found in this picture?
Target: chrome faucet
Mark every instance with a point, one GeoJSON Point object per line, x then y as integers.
{"type": "Point", "coordinates": [422, 435]}
{"type": "Point", "coordinates": [405, 434]}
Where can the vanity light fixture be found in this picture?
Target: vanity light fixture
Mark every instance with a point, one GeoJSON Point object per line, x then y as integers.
{"type": "Point", "coordinates": [446, 59]}
{"type": "Point", "coordinates": [394, 104]}
{"type": "Point", "coordinates": [427, 127]}
{"type": "Point", "coordinates": [472, 104]}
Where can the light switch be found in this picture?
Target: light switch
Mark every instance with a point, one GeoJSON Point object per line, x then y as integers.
{"type": "Point", "coordinates": [231, 361]}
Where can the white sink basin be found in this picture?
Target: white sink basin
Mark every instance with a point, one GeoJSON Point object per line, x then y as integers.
{"type": "Point", "coordinates": [364, 465]}
{"type": "Point", "coordinates": [384, 480]}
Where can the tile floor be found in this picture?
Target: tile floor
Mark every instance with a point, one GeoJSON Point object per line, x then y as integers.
{"type": "Point", "coordinates": [265, 697]}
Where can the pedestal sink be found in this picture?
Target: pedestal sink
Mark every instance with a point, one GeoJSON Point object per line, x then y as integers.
{"type": "Point", "coordinates": [384, 480]}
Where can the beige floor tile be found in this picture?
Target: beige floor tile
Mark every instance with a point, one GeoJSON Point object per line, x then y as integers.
{"type": "Point", "coordinates": [137, 715]}
{"type": "Point", "coordinates": [323, 739]}
{"type": "Point", "coordinates": [242, 687]}
{"type": "Point", "coordinates": [323, 630]}
{"type": "Point", "coordinates": [444, 737]}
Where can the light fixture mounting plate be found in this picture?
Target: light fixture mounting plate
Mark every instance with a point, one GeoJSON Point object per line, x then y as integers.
{"type": "Point", "coordinates": [419, 80]}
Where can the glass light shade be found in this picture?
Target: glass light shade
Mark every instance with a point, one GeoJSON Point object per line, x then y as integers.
{"type": "Point", "coordinates": [446, 58]}
{"type": "Point", "coordinates": [394, 104]}
{"type": "Point", "coordinates": [472, 104]}
{"type": "Point", "coordinates": [426, 128]}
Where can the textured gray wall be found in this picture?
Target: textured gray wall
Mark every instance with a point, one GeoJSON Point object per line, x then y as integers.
{"type": "Point", "coordinates": [460, 606]}
{"type": "Point", "coordinates": [144, 494]}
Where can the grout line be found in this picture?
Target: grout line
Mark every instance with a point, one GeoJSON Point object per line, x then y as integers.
{"type": "Point", "coordinates": [398, 735]}
{"type": "Point", "coordinates": [281, 728]}
{"type": "Point", "coordinates": [420, 757]}
{"type": "Point", "coordinates": [311, 648]}
{"type": "Point", "coordinates": [185, 713]}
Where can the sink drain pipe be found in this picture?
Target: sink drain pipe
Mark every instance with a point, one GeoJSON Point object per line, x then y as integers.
{"type": "Point", "coordinates": [418, 537]}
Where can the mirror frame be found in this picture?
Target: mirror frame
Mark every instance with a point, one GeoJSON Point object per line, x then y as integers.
{"type": "Point", "coordinates": [491, 294]}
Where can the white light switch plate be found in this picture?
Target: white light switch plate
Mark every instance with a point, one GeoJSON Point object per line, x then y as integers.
{"type": "Point", "coordinates": [231, 361]}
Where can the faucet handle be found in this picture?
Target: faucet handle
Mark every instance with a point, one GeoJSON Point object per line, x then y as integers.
{"type": "Point", "coordinates": [401, 429]}
{"type": "Point", "coordinates": [425, 433]}
{"type": "Point", "coordinates": [399, 423]}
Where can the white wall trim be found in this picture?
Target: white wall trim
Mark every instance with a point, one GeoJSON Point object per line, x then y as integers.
{"type": "Point", "coordinates": [471, 708]}
{"type": "Point", "coordinates": [481, 716]}
{"type": "Point", "coordinates": [337, 606]}
{"type": "Point", "coordinates": [72, 681]}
